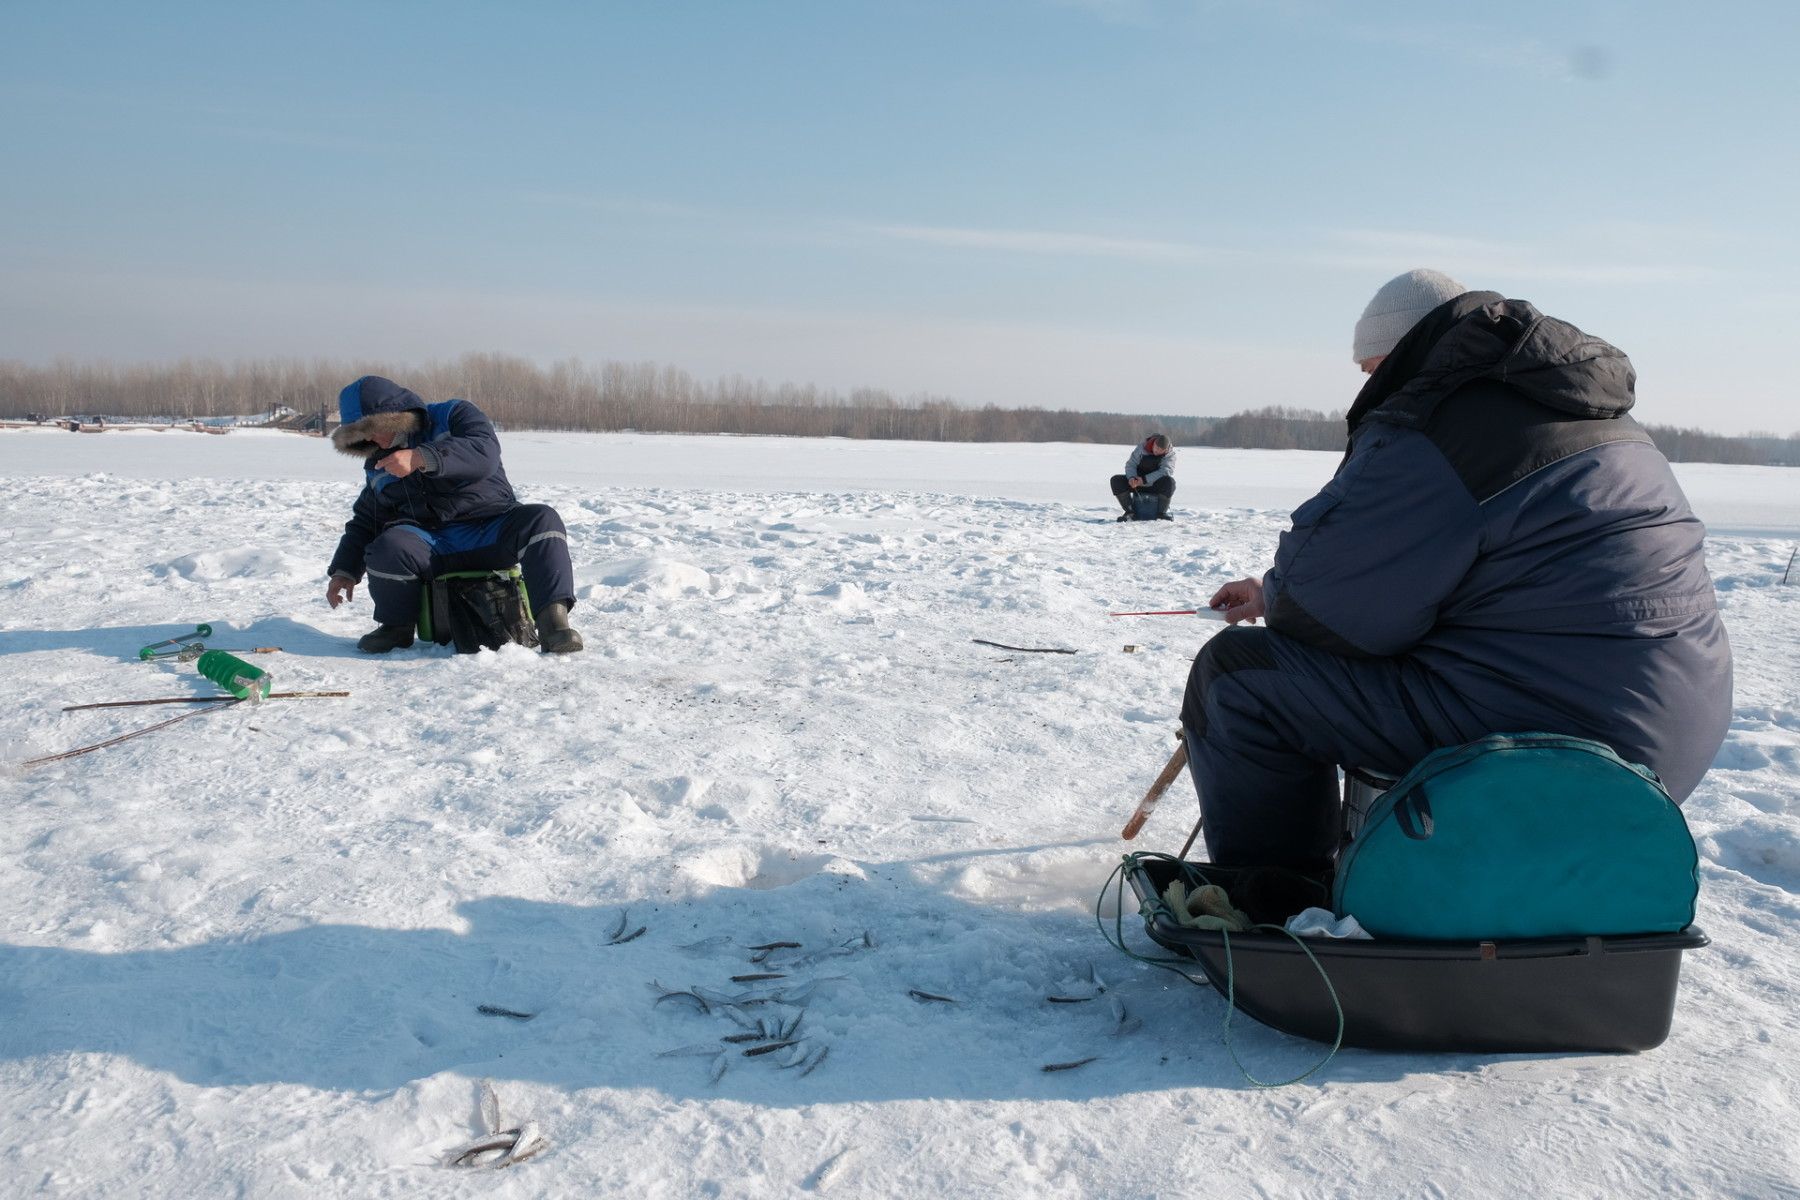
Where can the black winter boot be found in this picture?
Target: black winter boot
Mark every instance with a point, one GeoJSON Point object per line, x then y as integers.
{"type": "Point", "coordinates": [554, 634]}
{"type": "Point", "coordinates": [384, 638]}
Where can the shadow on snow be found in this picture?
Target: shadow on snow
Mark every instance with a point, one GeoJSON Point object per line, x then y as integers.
{"type": "Point", "coordinates": [347, 1007]}
{"type": "Point", "coordinates": [121, 642]}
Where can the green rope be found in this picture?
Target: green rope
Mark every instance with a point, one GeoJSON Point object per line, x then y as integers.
{"type": "Point", "coordinates": [1154, 905]}
{"type": "Point", "coordinates": [1231, 1007]}
{"type": "Point", "coordinates": [1116, 937]}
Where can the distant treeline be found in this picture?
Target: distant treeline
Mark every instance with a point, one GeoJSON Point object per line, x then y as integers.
{"type": "Point", "coordinates": [653, 398]}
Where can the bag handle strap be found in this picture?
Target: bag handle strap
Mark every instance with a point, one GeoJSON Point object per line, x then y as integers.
{"type": "Point", "coordinates": [1412, 812]}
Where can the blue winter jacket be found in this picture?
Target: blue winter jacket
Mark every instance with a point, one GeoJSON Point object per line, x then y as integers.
{"type": "Point", "coordinates": [460, 479]}
{"type": "Point", "coordinates": [1503, 530]}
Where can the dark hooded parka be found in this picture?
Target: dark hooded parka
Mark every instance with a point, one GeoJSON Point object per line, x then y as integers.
{"type": "Point", "coordinates": [1502, 549]}
{"type": "Point", "coordinates": [462, 480]}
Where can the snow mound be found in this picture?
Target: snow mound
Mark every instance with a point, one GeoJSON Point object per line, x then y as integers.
{"type": "Point", "coordinates": [848, 599]}
{"type": "Point", "coordinates": [662, 578]}
{"type": "Point", "coordinates": [762, 869]}
{"type": "Point", "coordinates": [240, 562]}
{"type": "Point", "coordinates": [1764, 848]}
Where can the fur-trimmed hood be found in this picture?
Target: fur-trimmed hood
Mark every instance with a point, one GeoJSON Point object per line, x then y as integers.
{"type": "Point", "coordinates": [375, 405]}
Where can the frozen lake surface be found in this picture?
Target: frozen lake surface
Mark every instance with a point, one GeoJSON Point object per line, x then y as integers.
{"type": "Point", "coordinates": [245, 955]}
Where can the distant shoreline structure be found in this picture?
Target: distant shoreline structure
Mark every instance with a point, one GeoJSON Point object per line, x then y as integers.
{"type": "Point", "coordinates": [301, 396]}
{"type": "Point", "coordinates": [279, 418]}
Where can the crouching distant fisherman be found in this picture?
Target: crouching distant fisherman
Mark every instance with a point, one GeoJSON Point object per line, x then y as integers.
{"type": "Point", "coordinates": [437, 500]}
{"type": "Point", "coordinates": [1149, 475]}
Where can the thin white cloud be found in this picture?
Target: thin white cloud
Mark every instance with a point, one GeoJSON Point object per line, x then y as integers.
{"type": "Point", "coordinates": [638, 205]}
{"type": "Point", "coordinates": [1449, 40]}
{"type": "Point", "coordinates": [1482, 44]}
{"type": "Point", "coordinates": [1050, 243]}
{"type": "Point", "coordinates": [305, 139]}
{"type": "Point", "coordinates": [1044, 242]}
{"type": "Point", "coordinates": [1473, 259]}
{"type": "Point", "coordinates": [1115, 12]}
{"type": "Point", "coordinates": [1462, 41]}
{"type": "Point", "coordinates": [117, 109]}
{"type": "Point", "coordinates": [1596, 253]}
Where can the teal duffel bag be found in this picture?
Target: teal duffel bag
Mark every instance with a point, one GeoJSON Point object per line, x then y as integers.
{"type": "Point", "coordinates": [1521, 835]}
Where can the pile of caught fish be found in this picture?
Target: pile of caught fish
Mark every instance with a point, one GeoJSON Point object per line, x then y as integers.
{"type": "Point", "coordinates": [1123, 1022]}
{"type": "Point", "coordinates": [763, 1016]}
{"type": "Point", "coordinates": [766, 1010]}
{"type": "Point", "coordinates": [498, 1147]}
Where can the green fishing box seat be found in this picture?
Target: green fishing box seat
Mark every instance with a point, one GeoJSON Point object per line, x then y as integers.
{"type": "Point", "coordinates": [433, 624]}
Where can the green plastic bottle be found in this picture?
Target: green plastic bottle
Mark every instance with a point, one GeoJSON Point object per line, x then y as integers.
{"type": "Point", "coordinates": [236, 676]}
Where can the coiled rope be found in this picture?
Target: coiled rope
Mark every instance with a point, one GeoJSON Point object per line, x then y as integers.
{"type": "Point", "coordinates": [1154, 905]}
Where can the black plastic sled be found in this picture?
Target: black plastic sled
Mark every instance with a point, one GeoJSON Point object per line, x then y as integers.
{"type": "Point", "coordinates": [1554, 995]}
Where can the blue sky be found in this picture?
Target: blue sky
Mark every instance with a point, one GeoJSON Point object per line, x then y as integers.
{"type": "Point", "coordinates": [1145, 205]}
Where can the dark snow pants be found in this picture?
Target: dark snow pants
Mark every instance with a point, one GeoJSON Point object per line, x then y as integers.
{"type": "Point", "coordinates": [1164, 489]}
{"type": "Point", "coordinates": [1268, 720]}
{"type": "Point", "coordinates": [531, 535]}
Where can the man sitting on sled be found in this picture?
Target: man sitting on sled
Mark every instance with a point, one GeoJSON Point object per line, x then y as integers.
{"type": "Point", "coordinates": [1502, 549]}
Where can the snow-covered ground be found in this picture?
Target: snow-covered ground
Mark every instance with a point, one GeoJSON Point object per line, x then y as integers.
{"type": "Point", "coordinates": [244, 955]}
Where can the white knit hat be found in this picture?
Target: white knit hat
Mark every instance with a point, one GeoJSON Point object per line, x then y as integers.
{"type": "Point", "coordinates": [1397, 307]}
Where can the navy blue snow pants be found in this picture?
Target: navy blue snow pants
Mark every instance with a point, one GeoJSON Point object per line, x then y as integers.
{"type": "Point", "coordinates": [1268, 720]}
{"type": "Point", "coordinates": [531, 535]}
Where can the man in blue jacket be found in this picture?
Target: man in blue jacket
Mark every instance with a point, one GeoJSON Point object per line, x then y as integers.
{"type": "Point", "coordinates": [1502, 549]}
{"type": "Point", "coordinates": [437, 500]}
